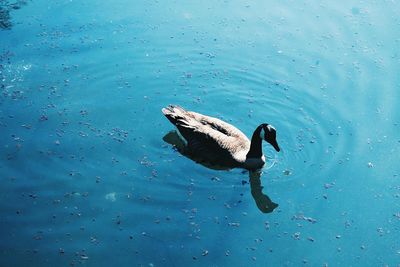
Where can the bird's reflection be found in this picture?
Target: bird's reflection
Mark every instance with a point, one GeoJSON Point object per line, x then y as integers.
{"type": "Point", "coordinates": [263, 202]}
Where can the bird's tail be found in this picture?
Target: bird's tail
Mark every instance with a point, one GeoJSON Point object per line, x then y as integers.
{"type": "Point", "coordinates": [177, 115]}
{"type": "Point", "coordinates": [174, 110]}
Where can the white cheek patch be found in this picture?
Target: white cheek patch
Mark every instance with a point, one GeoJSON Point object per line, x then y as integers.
{"type": "Point", "coordinates": [271, 128]}
{"type": "Point", "coordinates": [262, 134]}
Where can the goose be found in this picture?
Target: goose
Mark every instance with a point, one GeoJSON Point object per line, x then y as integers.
{"type": "Point", "coordinates": [219, 142]}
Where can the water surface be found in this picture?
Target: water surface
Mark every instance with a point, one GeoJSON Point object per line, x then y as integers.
{"type": "Point", "coordinates": [87, 179]}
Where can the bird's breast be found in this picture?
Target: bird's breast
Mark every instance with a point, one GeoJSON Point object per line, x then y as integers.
{"type": "Point", "coordinates": [254, 163]}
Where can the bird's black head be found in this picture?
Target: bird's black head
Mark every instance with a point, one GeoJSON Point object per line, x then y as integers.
{"type": "Point", "coordinates": [268, 133]}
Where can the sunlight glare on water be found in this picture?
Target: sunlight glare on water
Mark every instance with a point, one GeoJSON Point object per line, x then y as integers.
{"type": "Point", "coordinates": [87, 178]}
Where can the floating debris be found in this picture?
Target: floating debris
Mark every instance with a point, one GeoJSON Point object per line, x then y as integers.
{"type": "Point", "coordinates": [110, 196]}
{"type": "Point", "coordinates": [144, 161]}
{"type": "Point", "coordinates": [215, 178]}
{"type": "Point", "coordinates": [26, 126]}
{"type": "Point", "coordinates": [296, 236]}
{"type": "Point", "coordinates": [329, 185]}
{"type": "Point", "coordinates": [370, 165]}
{"type": "Point", "coordinates": [302, 217]}
{"type": "Point", "coordinates": [43, 118]}
{"type": "Point", "coordinates": [84, 257]}
{"type": "Point", "coordinates": [380, 231]}
{"type": "Point", "coordinates": [266, 225]}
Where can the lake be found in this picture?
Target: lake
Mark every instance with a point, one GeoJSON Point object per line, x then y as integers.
{"type": "Point", "coordinates": [87, 177]}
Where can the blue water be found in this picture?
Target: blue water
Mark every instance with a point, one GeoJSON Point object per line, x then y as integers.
{"type": "Point", "coordinates": [86, 178]}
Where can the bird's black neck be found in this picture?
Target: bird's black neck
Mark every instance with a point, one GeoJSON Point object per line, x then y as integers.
{"type": "Point", "coordinates": [255, 146]}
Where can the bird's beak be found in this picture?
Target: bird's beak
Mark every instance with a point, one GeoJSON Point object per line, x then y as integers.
{"type": "Point", "coordinates": [275, 145]}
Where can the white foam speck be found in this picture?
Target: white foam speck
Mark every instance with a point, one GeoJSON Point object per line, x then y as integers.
{"type": "Point", "coordinates": [110, 196]}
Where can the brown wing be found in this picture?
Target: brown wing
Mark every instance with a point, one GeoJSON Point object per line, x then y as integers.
{"type": "Point", "coordinates": [210, 137]}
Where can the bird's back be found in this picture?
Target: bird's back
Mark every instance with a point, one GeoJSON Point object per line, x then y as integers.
{"type": "Point", "coordinates": [208, 137]}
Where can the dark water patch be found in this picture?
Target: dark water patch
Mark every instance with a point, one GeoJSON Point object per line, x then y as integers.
{"type": "Point", "coordinates": [6, 8]}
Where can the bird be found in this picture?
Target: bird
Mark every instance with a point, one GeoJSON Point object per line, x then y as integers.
{"type": "Point", "coordinates": [217, 142]}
